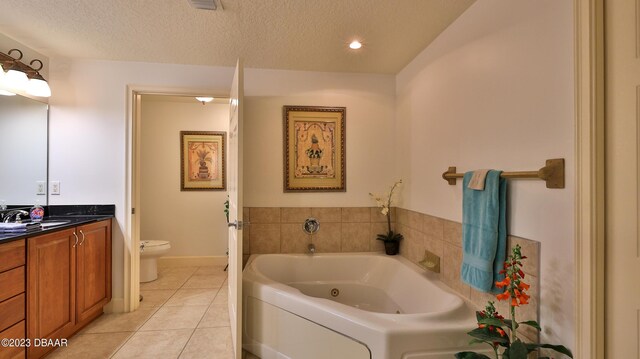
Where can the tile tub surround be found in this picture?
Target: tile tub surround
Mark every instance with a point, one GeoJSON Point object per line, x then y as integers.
{"type": "Point", "coordinates": [354, 229]}
{"type": "Point", "coordinates": [444, 238]}
{"type": "Point", "coordinates": [342, 229]}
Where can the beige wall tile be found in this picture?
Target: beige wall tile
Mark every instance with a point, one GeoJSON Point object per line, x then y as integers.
{"type": "Point", "coordinates": [377, 216]}
{"type": "Point", "coordinates": [412, 247]}
{"type": "Point", "coordinates": [246, 240]}
{"type": "Point", "coordinates": [356, 214]}
{"type": "Point", "coordinates": [293, 239]}
{"type": "Point", "coordinates": [328, 238]}
{"type": "Point", "coordinates": [530, 249]}
{"type": "Point", "coordinates": [294, 214]}
{"type": "Point", "coordinates": [402, 216]}
{"type": "Point", "coordinates": [327, 214]}
{"type": "Point", "coordinates": [377, 228]}
{"type": "Point", "coordinates": [414, 220]}
{"type": "Point", "coordinates": [355, 237]}
{"type": "Point", "coordinates": [435, 246]}
{"type": "Point", "coordinates": [265, 215]}
{"type": "Point", "coordinates": [433, 227]}
{"type": "Point", "coordinates": [265, 238]}
{"type": "Point", "coordinates": [452, 260]}
{"type": "Point", "coordinates": [453, 232]}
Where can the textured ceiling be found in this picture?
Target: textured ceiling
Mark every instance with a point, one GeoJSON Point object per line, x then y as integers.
{"type": "Point", "coordinates": [277, 34]}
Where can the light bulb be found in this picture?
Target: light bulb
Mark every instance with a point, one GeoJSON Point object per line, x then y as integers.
{"type": "Point", "coordinates": [355, 45]}
{"type": "Point", "coordinates": [16, 79]}
{"type": "Point", "coordinates": [37, 87]}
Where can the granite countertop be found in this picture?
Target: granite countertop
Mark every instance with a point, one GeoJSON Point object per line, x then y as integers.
{"type": "Point", "coordinates": [73, 215]}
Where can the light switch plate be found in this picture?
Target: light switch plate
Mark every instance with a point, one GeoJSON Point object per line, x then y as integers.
{"type": "Point", "coordinates": [40, 188]}
{"type": "Point", "coordinates": [55, 187]}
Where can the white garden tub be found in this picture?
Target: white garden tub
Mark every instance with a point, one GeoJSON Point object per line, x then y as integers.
{"type": "Point", "coordinates": [351, 306]}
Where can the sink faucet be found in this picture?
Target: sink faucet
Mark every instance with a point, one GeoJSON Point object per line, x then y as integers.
{"type": "Point", "coordinates": [16, 212]}
{"type": "Point", "coordinates": [311, 248]}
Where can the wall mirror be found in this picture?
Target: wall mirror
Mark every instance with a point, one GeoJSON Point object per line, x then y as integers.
{"type": "Point", "coordinates": [23, 151]}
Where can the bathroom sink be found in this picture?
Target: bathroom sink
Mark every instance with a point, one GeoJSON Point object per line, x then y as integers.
{"type": "Point", "coordinates": [47, 224]}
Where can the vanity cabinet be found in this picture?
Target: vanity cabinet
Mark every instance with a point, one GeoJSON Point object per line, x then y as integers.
{"type": "Point", "coordinates": [69, 281]}
{"type": "Point", "coordinates": [12, 297]}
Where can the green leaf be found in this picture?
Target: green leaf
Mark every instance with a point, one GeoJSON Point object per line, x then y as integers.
{"type": "Point", "coordinates": [532, 323]}
{"type": "Point", "coordinates": [517, 350]}
{"type": "Point", "coordinates": [477, 341]}
{"type": "Point", "coordinates": [470, 355]}
{"type": "Point", "coordinates": [486, 335]}
{"type": "Point", "coordinates": [559, 348]}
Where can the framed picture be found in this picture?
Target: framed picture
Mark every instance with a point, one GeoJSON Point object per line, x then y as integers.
{"type": "Point", "coordinates": [314, 149]}
{"type": "Point", "coordinates": [202, 161]}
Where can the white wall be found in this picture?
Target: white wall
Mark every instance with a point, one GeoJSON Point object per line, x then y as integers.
{"type": "Point", "coordinates": [87, 138]}
{"type": "Point", "coordinates": [495, 90]}
{"type": "Point", "coordinates": [193, 221]}
{"type": "Point", "coordinates": [370, 101]}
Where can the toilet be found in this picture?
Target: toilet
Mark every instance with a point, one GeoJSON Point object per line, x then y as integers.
{"type": "Point", "coordinates": [150, 251]}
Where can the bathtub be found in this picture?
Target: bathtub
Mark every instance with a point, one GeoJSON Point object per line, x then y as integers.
{"type": "Point", "coordinates": [351, 306]}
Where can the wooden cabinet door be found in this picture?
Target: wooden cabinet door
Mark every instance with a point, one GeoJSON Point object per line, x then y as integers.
{"type": "Point", "coordinates": [93, 282]}
{"type": "Point", "coordinates": [51, 277]}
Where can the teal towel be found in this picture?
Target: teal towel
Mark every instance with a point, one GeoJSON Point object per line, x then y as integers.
{"type": "Point", "coordinates": [484, 232]}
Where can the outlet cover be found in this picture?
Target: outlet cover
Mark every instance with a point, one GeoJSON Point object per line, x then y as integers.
{"type": "Point", "coordinates": [40, 188]}
{"type": "Point", "coordinates": [55, 187]}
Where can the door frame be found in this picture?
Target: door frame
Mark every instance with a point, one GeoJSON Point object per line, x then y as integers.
{"type": "Point", "coordinates": [590, 170]}
{"type": "Point", "coordinates": [132, 196]}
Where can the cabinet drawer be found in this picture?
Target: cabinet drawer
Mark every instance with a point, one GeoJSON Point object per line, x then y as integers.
{"type": "Point", "coordinates": [12, 311]}
{"type": "Point", "coordinates": [12, 255]}
{"type": "Point", "coordinates": [11, 283]}
{"type": "Point", "coordinates": [15, 332]}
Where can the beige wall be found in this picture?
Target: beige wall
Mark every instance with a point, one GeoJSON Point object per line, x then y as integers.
{"type": "Point", "coordinates": [369, 100]}
{"type": "Point", "coordinates": [495, 90]}
{"type": "Point", "coordinates": [193, 221]}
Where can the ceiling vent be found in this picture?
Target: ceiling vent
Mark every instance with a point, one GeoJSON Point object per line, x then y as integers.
{"type": "Point", "coordinates": [205, 4]}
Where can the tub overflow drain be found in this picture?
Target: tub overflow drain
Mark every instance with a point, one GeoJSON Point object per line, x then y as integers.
{"type": "Point", "coordinates": [335, 292]}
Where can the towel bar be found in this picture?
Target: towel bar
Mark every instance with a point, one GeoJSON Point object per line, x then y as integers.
{"type": "Point", "coordinates": [552, 174]}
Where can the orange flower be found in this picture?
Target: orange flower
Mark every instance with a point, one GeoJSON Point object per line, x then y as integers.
{"type": "Point", "coordinates": [502, 333]}
{"type": "Point", "coordinates": [504, 296]}
{"type": "Point", "coordinates": [523, 286]}
{"type": "Point", "coordinates": [514, 302]}
{"type": "Point", "coordinates": [523, 300]}
{"type": "Point", "coordinates": [503, 283]}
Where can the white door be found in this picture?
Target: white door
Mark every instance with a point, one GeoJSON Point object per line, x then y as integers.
{"type": "Point", "coordinates": [235, 209]}
{"type": "Point", "coordinates": [622, 103]}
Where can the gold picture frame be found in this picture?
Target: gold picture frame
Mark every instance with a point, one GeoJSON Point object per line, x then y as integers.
{"type": "Point", "coordinates": [314, 149]}
{"type": "Point", "coordinates": [202, 161]}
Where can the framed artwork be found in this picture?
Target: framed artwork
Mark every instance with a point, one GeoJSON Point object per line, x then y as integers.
{"type": "Point", "coordinates": [202, 161]}
{"type": "Point", "coordinates": [314, 149]}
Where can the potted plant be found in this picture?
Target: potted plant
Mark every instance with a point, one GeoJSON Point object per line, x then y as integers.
{"type": "Point", "coordinates": [391, 240]}
{"type": "Point", "coordinates": [500, 333]}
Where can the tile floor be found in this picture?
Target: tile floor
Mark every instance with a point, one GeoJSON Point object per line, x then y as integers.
{"type": "Point", "coordinates": [183, 315]}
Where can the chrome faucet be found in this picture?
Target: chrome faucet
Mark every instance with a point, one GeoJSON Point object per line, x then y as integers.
{"type": "Point", "coordinates": [16, 212]}
{"type": "Point", "coordinates": [311, 248]}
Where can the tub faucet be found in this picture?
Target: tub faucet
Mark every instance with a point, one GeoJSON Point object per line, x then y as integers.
{"type": "Point", "coordinates": [18, 213]}
{"type": "Point", "coordinates": [311, 248]}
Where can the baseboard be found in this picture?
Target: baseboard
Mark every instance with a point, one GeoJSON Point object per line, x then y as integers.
{"type": "Point", "coordinates": [116, 305]}
{"type": "Point", "coordinates": [192, 261]}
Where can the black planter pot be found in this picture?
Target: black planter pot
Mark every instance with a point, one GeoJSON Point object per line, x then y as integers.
{"type": "Point", "coordinates": [391, 248]}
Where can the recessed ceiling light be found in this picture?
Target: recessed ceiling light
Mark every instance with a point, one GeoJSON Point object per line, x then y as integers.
{"type": "Point", "coordinates": [355, 45]}
{"type": "Point", "coordinates": [204, 99]}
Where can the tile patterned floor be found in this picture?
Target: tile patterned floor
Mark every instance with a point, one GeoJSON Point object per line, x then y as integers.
{"type": "Point", "coordinates": [183, 315]}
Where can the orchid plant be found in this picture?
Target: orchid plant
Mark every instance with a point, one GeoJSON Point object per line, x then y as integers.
{"type": "Point", "coordinates": [493, 327]}
{"type": "Point", "coordinates": [384, 202]}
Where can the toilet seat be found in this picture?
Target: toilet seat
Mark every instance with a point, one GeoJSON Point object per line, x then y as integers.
{"type": "Point", "coordinates": [154, 243]}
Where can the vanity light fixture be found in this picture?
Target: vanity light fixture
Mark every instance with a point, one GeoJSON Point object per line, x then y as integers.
{"type": "Point", "coordinates": [22, 77]}
{"type": "Point", "coordinates": [2, 76]}
{"type": "Point", "coordinates": [355, 45]}
{"type": "Point", "coordinates": [204, 100]}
